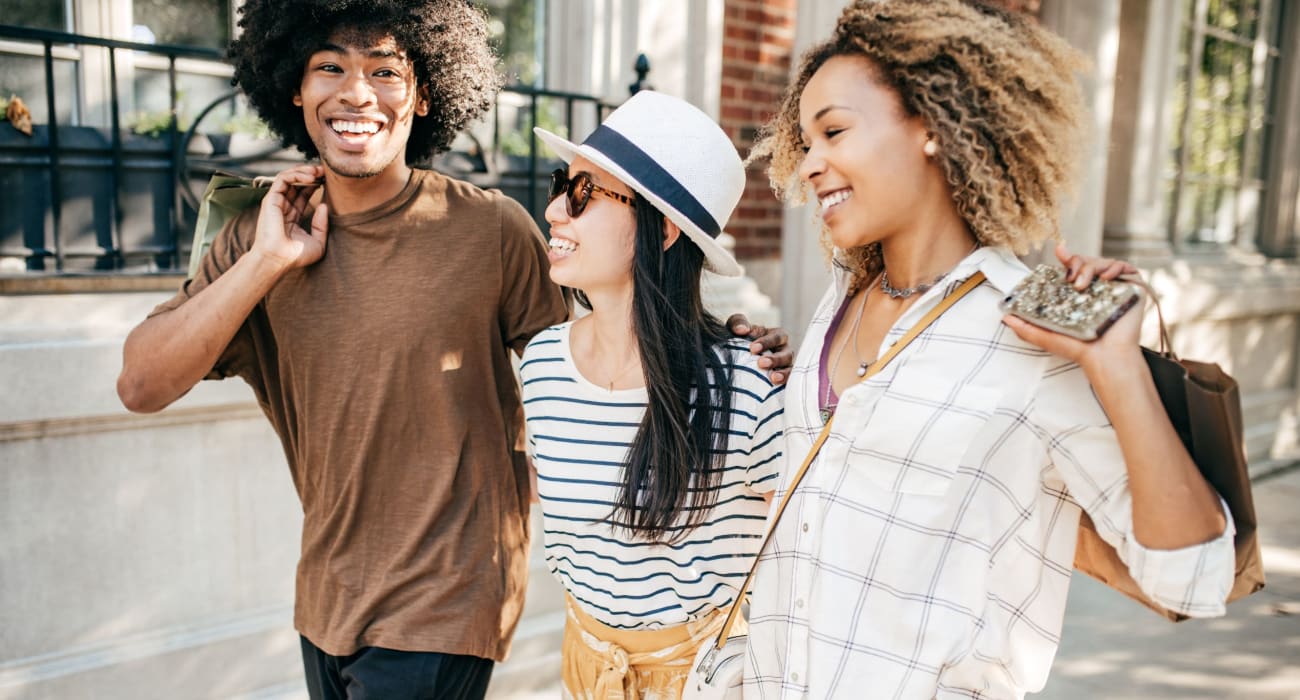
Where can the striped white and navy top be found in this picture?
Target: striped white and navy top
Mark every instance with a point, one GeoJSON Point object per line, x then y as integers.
{"type": "Point", "coordinates": [579, 435]}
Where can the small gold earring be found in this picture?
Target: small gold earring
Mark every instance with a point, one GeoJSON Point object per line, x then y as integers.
{"type": "Point", "coordinates": [930, 148]}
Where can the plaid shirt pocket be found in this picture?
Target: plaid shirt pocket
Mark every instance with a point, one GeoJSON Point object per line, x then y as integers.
{"type": "Point", "coordinates": [918, 432]}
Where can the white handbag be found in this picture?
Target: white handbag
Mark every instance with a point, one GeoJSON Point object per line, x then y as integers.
{"type": "Point", "coordinates": [718, 668]}
{"type": "Point", "coordinates": [716, 672]}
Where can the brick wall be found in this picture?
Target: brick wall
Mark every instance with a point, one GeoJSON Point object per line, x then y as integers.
{"type": "Point", "coordinates": [758, 39]}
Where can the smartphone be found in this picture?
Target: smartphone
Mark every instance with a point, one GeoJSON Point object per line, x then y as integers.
{"type": "Point", "coordinates": [1045, 299]}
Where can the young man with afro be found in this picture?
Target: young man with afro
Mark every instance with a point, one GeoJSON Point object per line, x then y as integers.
{"type": "Point", "coordinates": [374, 322]}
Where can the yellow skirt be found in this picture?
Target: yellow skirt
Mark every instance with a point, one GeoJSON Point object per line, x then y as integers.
{"type": "Point", "coordinates": [604, 663]}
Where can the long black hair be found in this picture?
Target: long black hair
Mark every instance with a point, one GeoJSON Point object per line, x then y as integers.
{"type": "Point", "coordinates": [675, 462]}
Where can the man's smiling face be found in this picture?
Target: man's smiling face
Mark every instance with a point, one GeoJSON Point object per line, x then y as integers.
{"type": "Point", "coordinates": [358, 103]}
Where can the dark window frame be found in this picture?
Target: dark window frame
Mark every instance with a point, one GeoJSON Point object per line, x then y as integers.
{"type": "Point", "coordinates": [1248, 184]}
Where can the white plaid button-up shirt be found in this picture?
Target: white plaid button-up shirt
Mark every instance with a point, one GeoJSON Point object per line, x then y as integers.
{"type": "Point", "coordinates": [928, 551]}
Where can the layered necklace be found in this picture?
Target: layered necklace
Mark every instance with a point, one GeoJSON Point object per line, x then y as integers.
{"type": "Point", "coordinates": [922, 288]}
{"type": "Point", "coordinates": [863, 365]}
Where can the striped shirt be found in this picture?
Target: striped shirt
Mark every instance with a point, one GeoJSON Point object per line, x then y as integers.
{"type": "Point", "coordinates": [927, 552]}
{"type": "Point", "coordinates": [579, 435]}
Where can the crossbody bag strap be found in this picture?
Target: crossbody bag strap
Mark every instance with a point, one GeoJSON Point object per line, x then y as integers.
{"type": "Point", "coordinates": [929, 318]}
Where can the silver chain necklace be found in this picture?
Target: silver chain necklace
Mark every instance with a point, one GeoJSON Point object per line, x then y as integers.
{"type": "Point", "coordinates": [827, 409]}
{"type": "Point", "coordinates": [895, 293]}
{"type": "Point", "coordinates": [906, 292]}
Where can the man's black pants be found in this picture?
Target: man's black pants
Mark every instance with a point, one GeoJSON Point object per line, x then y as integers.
{"type": "Point", "coordinates": [386, 674]}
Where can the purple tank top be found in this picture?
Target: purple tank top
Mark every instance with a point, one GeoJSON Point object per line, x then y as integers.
{"type": "Point", "coordinates": [827, 399]}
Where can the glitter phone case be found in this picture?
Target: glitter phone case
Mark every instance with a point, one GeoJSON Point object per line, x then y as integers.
{"type": "Point", "coordinates": [1045, 299]}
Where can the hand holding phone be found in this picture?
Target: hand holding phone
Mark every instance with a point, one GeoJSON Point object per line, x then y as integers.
{"type": "Point", "coordinates": [1046, 299]}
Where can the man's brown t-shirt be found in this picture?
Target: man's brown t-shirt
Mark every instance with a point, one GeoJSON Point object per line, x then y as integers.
{"type": "Point", "coordinates": [385, 370]}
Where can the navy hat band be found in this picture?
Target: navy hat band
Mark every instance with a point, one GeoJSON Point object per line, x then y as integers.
{"type": "Point", "coordinates": [652, 176]}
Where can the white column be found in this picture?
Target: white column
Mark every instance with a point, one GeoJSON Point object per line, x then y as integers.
{"type": "Point", "coordinates": [1136, 218]}
{"type": "Point", "coordinates": [702, 71]}
{"type": "Point", "coordinates": [103, 18]}
{"type": "Point", "coordinates": [594, 44]}
{"type": "Point", "coordinates": [804, 270]}
{"type": "Point", "coordinates": [1281, 217]}
{"type": "Point", "coordinates": [1092, 28]}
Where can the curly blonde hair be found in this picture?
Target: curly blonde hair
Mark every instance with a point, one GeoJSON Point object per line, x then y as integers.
{"type": "Point", "coordinates": [998, 92]}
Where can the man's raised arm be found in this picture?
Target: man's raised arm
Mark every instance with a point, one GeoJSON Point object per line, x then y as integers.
{"type": "Point", "coordinates": [166, 355]}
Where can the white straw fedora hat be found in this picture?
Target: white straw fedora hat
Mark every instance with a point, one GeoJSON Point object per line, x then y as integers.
{"type": "Point", "coordinates": [674, 155]}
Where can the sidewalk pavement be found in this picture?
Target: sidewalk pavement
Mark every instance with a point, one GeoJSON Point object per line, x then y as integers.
{"type": "Point", "coordinates": [1114, 648]}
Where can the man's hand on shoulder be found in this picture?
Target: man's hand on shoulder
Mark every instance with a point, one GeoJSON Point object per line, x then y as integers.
{"type": "Point", "coordinates": [770, 344]}
{"type": "Point", "coordinates": [281, 239]}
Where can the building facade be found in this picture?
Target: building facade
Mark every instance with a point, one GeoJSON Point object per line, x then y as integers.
{"type": "Point", "coordinates": [153, 555]}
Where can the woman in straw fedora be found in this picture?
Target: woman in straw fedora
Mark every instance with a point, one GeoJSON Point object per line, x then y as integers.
{"type": "Point", "coordinates": [655, 435]}
{"type": "Point", "coordinates": [927, 553]}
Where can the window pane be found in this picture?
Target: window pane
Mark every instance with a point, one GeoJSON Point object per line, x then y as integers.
{"type": "Point", "coordinates": [1258, 162]}
{"type": "Point", "coordinates": [204, 23]}
{"type": "Point", "coordinates": [39, 14]}
{"type": "Point", "coordinates": [1188, 206]}
{"type": "Point", "coordinates": [1249, 17]}
{"type": "Point", "coordinates": [1200, 146]}
{"type": "Point", "coordinates": [24, 76]}
{"type": "Point", "coordinates": [1212, 215]}
{"type": "Point", "coordinates": [1228, 18]}
{"type": "Point", "coordinates": [1243, 64]}
{"type": "Point", "coordinates": [516, 37]}
{"type": "Point", "coordinates": [194, 93]}
{"type": "Point", "coordinates": [1248, 200]}
{"type": "Point", "coordinates": [1221, 217]}
{"type": "Point", "coordinates": [1237, 130]}
{"type": "Point", "coordinates": [1223, 107]}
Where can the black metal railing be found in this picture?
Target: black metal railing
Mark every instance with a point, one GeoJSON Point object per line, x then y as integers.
{"type": "Point", "coordinates": [65, 152]}
{"type": "Point", "coordinates": [75, 198]}
{"type": "Point", "coordinates": [540, 101]}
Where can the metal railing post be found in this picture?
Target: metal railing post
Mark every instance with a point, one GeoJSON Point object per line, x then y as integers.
{"type": "Point", "coordinates": [176, 219]}
{"type": "Point", "coordinates": [56, 187]}
{"type": "Point", "coordinates": [117, 243]}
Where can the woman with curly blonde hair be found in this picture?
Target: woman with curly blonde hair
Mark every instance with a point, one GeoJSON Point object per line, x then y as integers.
{"type": "Point", "coordinates": [927, 552]}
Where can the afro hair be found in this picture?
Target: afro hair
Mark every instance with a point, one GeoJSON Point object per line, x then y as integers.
{"type": "Point", "coordinates": [446, 41]}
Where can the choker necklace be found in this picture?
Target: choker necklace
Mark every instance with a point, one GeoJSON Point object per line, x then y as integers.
{"type": "Point", "coordinates": [895, 293]}
{"type": "Point", "coordinates": [904, 293]}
